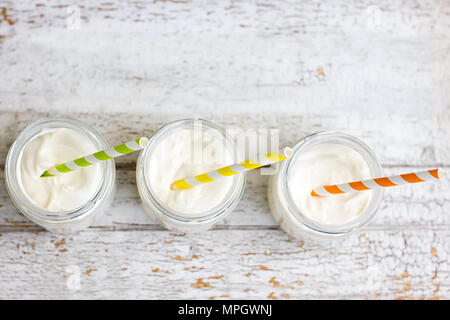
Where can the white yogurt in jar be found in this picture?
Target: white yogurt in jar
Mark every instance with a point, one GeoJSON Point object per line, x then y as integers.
{"type": "Point", "coordinates": [184, 153]}
{"type": "Point", "coordinates": [328, 164]}
{"type": "Point", "coordinates": [324, 158]}
{"type": "Point", "coordinates": [69, 190]}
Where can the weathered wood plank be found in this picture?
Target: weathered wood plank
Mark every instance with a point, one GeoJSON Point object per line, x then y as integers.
{"type": "Point", "coordinates": [202, 56]}
{"type": "Point", "coordinates": [409, 206]}
{"type": "Point", "coordinates": [225, 264]}
{"type": "Point", "coordinates": [379, 72]}
{"type": "Point", "coordinates": [421, 141]}
{"type": "Point", "coordinates": [424, 204]}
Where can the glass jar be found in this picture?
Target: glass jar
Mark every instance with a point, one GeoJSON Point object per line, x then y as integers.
{"type": "Point", "coordinates": [169, 218]}
{"type": "Point", "coordinates": [290, 217]}
{"type": "Point", "coordinates": [66, 221]}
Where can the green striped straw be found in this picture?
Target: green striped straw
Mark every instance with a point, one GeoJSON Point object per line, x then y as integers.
{"type": "Point", "coordinates": [91, 159]}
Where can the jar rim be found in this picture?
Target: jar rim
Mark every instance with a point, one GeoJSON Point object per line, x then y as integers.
{"type": "Point", "coordinates": [235, 193]}
{"type": "Point", "coordinates": [17, 194]}
{"type": "Point", "coordinates": [369, 157]}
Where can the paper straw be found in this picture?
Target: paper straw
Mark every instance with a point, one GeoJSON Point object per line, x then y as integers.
{"type": "Point", "coordinates": [231, 170]}
{"type": "Point", "coordinates": [379, 183]}
{"type": "Point", "coordinates": [91, 159]}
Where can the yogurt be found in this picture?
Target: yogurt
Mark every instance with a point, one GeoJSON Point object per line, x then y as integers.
{"type": "Point", "coordinates": [182, 149]}
{"type": "Point", "coordinates": [185, 153]}
{"type": "Point", "coordinates": [326, 164]}
{"type": "Point", "coordinates": [324, 158]}
{"type": "Point", "coordinates": [60, 193]}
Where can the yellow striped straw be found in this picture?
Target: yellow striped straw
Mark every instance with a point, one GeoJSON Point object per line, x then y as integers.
{"type": "Point", "coordinates": [91, 159]}
{"type": "Point", "coordinates": [231, 170]}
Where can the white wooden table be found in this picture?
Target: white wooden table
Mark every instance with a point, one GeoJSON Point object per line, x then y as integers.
{"type": "Point", "coordinates": [379, 72]}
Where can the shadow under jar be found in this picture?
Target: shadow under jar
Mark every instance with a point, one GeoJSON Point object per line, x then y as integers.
{"type": "Point", "coordinates": [282, 193]}
{"type": "Point", "coordinates": [81, 215]}
{"type": "Point", "coordinates": [182, 149]}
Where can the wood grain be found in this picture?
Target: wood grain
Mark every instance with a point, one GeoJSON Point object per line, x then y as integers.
{"type": "Point", "coordinates": [421, 141]}
{"type": "Point", "coordinates": [418, 206]}
{"type": "Point", "coordinates": [260, 264]}
{"type": "Point", "coordinates": [379, 71]}
{"type": "Point", "coordinates": [206, 56]}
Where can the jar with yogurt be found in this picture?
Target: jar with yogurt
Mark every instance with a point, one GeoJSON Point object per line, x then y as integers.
{"type": "Point", "coordinates": [65, 203]}
{"type": "Point", "coordinates": [183, 149]}
{"type": "Point", "coordinates": [324, 158]}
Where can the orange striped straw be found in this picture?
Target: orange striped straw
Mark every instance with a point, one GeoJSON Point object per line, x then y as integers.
{"type": "Point", "coordinates": [379, 183]}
